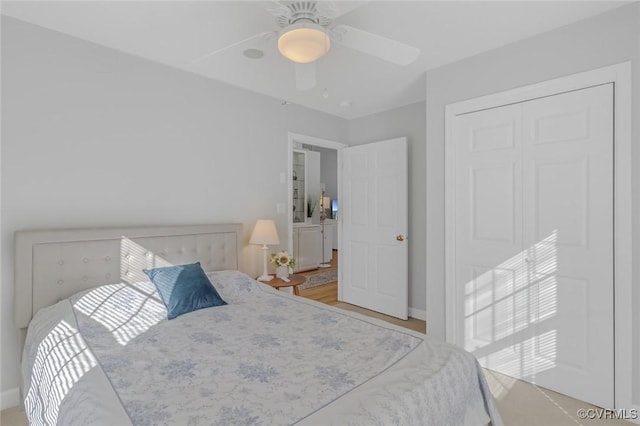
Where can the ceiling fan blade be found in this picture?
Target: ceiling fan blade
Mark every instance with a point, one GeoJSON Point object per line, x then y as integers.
{"type": "Point", "coordinates": [375, 45]}
{"type": "Point", "coordinates": [328, 9]}
{"type": "Point", "coordinates": [279, 9]}
{"type": "Point", "coordinates": [305, 76]}
{"type": "Point", "coordinates": [266, 35]}
{"type": "Point", "coordinates": [333, 9]}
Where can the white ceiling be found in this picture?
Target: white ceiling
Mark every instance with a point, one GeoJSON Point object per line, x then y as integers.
{"type": "Point", "coordinates": [176, 33]}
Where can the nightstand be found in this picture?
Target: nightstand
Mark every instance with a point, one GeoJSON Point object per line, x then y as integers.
{"type": "Point", "coordinates": [294, 281]}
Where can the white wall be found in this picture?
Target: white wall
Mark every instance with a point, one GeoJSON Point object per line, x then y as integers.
{"type": "Point", "coordinates": [95, 137]}
{"type": "Point", "coordinates": [329, 171]}
{"type": "Point", "coordinates": [603, 40]}
{"type": "Point", "coordinates": [405, 121]}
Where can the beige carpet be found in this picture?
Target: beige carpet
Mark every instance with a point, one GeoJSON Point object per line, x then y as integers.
{"type": "Point", "coordinates": [524, 404]}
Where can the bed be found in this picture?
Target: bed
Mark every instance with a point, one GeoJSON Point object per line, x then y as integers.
{"type": "Point", "coordinates": [100, 350]}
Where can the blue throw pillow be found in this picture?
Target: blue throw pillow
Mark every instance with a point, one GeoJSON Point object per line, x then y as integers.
{"type": "Point", "coordinates": [184, 288]}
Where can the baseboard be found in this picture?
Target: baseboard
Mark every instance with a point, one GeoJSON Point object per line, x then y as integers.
{"type": "Point", "coordinates": [9, 398]}
{"type": "Point", "coordinates": [418, 314]}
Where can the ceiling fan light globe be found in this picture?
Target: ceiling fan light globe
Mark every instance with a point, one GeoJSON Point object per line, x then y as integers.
{"type": "Point", "coordinates": [303, 43]}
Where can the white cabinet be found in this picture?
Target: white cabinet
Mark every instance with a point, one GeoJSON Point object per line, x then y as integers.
{"type": "Point", "coordinates": [299, 188]}
{"type": "Point", "coordinates": [334, 232]}
{"type": "Point", "coordinates": [328, 233]}
{"type": "Point", "coordinates": [313, 184]}
{"type": "Point", "coordinates": [307, 238]}
{"type": "Point", "coordinates": [307, 247]}
{"type": "Point", "coordinates": [306, 184]}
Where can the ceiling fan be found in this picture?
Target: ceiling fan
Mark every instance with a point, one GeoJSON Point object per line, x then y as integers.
{"type": "Point", "coordinates": [307, 33]}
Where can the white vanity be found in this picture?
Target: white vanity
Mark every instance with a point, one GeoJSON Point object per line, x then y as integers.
{"type": "Point", "coordinates": [307, 246]}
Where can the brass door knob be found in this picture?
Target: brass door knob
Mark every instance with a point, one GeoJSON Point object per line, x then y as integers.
{"type": "Point", "coordinates": [400, 237]}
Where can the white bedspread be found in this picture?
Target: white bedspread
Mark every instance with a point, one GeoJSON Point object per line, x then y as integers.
{"type": "Point", "coordinates": [110, 356]}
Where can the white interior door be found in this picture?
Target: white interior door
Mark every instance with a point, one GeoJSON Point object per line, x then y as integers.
{"type": "Point", "coordinates": [534, 240]}
{"type": "Point", "coordinates": [374, 213]}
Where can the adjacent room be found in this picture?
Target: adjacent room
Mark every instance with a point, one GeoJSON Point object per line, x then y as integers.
{"type": "Point", "coordinates": [320, 212]}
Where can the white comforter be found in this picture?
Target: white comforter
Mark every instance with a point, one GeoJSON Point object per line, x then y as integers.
{"type": "Point", "coordinates": [110, 356]}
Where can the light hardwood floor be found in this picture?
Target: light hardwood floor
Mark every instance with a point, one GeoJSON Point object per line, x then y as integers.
{"type": "Point", "coordinates": [328, 293]}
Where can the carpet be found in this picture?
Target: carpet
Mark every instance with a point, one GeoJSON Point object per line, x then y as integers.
{"type": "Point", "coordinates": [319, 279]}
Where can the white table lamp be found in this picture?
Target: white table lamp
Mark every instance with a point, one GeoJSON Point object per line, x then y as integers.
{"type": "Point", "coordinates": [265, 233]}
{"type": "Point", "coordinates": [326, 204]}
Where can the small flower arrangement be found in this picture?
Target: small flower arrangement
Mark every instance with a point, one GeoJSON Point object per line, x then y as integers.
{"type": "Point", "coordinates": [282, 258]}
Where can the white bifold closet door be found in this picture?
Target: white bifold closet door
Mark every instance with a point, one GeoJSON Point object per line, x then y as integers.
{"type": "Point", "coordinates": [534, 240]}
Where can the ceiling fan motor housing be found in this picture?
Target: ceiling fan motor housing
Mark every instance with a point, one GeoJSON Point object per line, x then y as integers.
{"type": "Point", "coordinates": [304, 38]}
{"type": "Point", "coordinates": [302, 11]}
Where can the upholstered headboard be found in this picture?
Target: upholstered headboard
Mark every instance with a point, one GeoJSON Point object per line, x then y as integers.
{"type": "Point", "coordinates": [52, 265]}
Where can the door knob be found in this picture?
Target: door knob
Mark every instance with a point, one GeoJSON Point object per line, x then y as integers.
{"type": "Point", "coordinates": [400, 237]}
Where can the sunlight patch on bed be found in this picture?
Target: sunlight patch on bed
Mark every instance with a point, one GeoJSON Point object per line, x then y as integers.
{"type": "Point", "coordinates": [132, 307]}
{"type": "Point", "coordinates": [61, 360]}
{"type": "Point", "coordinates": [126, 310]}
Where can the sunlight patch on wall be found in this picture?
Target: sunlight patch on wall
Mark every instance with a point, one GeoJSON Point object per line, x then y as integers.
{"type": "Point", "coordinates": [134, 258]}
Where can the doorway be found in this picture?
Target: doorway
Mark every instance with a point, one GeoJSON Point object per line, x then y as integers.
{"type": "Point", "coordinates": [372, 220]}
{"type": "Point", "coordinates": [314, 225]}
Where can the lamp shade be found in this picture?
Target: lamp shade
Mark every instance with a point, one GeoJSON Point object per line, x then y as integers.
{"type": "Point", "coordinates": [303, 43]}
{"type": "Point", "coordinates": [264, 233]}
{"type": "Point", "coordinates": [326, 203]}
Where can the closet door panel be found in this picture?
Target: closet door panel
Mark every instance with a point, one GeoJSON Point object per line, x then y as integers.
{"type": "Point", "coordinates": [489, 225]}
{"type": "Point", "coordinates": [568, 236]}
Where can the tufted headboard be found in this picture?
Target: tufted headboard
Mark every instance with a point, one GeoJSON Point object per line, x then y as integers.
{"type": "Point", "coordinates": [53, 265]}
